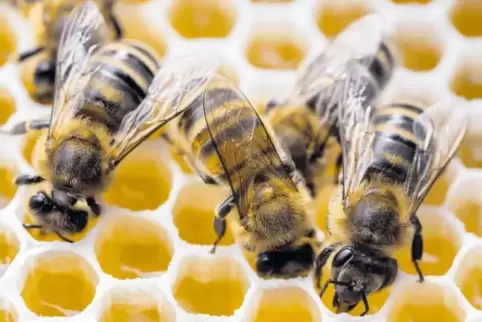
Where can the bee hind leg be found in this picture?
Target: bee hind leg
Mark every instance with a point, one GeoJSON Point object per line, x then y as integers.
{"type": "Point", "coordinates": [27, 126]}
{"type": "Point", "coordinates": [117, 27]}
{"type": "Point", "coordinates": [220, 220]}
{"type": "Point", "coordinates": [94, 206]}
{"type": "Point", "coordinates": [28, 179]}
{"type": "Point", "coordinates": [29, 53]}
{"type": "Point", "coordinates": [34, 226]}
{"type": "Point", "coordinates": [417, 246]}
{"type": "Point", "coordinates": [64, 238]}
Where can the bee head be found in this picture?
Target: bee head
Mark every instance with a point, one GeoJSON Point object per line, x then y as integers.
{"type": "Point", "coordinates": [356, 274]}
{"type": "Point", "coordinates": [287, 262]}
{"type": "Point", "coordinates": [40, 204]}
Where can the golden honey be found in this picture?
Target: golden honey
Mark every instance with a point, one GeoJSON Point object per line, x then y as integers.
{"type": "Point", "coordinates": [470, 152]}
{"type": "Point", "coordinates": [469, 210]}
{"type": "Point", "coordinates": [136, 26]}
{"type": "Point", "coordinates": [9, 246]}
{"type": "Point", "coordinates": [201, 19]}
{"type": "Point", "coordinates": [8, 43]}
{"type": "Point", "coordinates": [7, 184]}
{"type": "Point", "coordinates": [440, 245]}
{"type": "Point", "coordinates": [321, 206]}
{"type": "Point", "coordinates": [335, 15]}
{"type": "Point", "coordinates": [418, 53]}
{"type": "Point", "coordinates": [437, 193]}
{"type": "Point", "coordinates": [275, 52]}
{"type": "Point", "coordinates": [411, 1]}
{"type": "Point", "coordinates": [7, 313]}
{"type": "Point", "coordinates": [128, 247]}
{"type": "Point", "coordinates": [7, 105]}
{"type": "Point", "coordinates": [285, 304]}
{"type": "Point", "coordinates": [467, 82]}
{"type": "Point", "coordinates": [60, 283]}
{"type": "Point", "coordinates": [194, 213]}
{"type": "Point", "coordinates": [210, 286]}
{"type": "Point", "coordinates": [425, 302]}
{"type": "Point", "coordinates": [141, 181]}
{"type": "Point", "coordinates": [468, 278]}
{"type": "Point", "coordinates": [131, 306]}
{"type": "Point", "coordinates": [466, 16]}
{"type": "Point", "coordinates": [183, 165]}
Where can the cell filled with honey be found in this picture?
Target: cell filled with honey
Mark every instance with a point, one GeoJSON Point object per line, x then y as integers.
{"type": "Point", "coordinates": [141, 181]}
{"type": "Point", "coordinates": [411, 1]}
{"type": "Point", "coordinates": [285, 304]}
{"type": "Point", "coordinates": [419, 51]}
{"type": "Point", "coordinates": [466, 204]}
{"type": "Point", "coordinates": [426, 302]}
{"type": "Point", "coordinates": [7, 313]}
{"type": "Point", "coordinates": [29, 145]}
{"type": "Point", "coordinates": [7, 105]}
{"type": "Point", "coordinates": [470, 151]}
{"type": "Point", "coordinates": [437, 193]}
{"type": "Point", "coordinates": [59, 283]}
{"type": "Point", "coordinates": [467, 81]}
{"type": "Point", "coordinates": [441, 242]}
{"type": "Point", "coordinates": [8, 189]}
{"type": "Point", "coordinates": [321, 205]}
{"type": "Point", "coordinates": [9, 246]}
{"type": "Point", "coordinates": [202, 19]}
{"type": "Point", "coordinates": [335, 15]}
{"type": "Point", "coordinates": [136, 26]}
{"type": "Point", "coordinates": [465, 16]}
{"type": "Point", "coordinates": [129, 305]}
{"type": "Point", "coordinates": [8, 42]}
{"type": "Point", "coordinates": [275, 51]}
{"type": "Point", "coordinates": [214, 286]}
{"type": "Point", "coordinates": [194, 212]}
{"type": "Point", "coordinates": [129, 247]}
{"type": "Point", "coordinates": [468, 277]}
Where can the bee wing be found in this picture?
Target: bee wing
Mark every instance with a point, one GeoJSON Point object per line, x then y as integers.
{"type": "Point", "coordinates": [440, 129]}
{"type": "Point", "coordinates": [241, 140]}
{"type": "Point", "coordinates": [173, 89]}
{"type": "Point", "coordinates": [84, 30]}
{"type": "Point", "coordinates": [356, 131]}
{"type": "Point", "coordinates": [358, 42]}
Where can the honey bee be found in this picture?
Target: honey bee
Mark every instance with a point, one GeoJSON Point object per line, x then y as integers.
{"type": "Point", "coordinates": [307, 119]}
{"type": "Point", "coordinates": [226, 141]}
{"type": "Point", "coordinates": [38, 64]}
{"type": "Point", "coordinates": [391, 158]}
{"type": "Point", "coordinates": [108, 99]}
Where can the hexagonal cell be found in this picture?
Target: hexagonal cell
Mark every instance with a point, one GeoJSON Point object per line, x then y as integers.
{"type": "Point", "coordinates": [437, 193]}
{"type": "Point", "coordinates": [136, 26]}
{"type": "Point", "coordinates": [8, 43]}
{"type": "Point", "coordinates": [212, 285]}
{"type": "Point", "coordinates": [467, 80]}
{"type": "Point", "coordinates": [469, 277]}
{"type": "Point", "coordinates": [29, 145]}
{"type": "Point", "coordinates": [7, 312]}
{"type": "Point", "coordinates": [202, 19]}
{"type": "Point", "coordinates": [437, 230]}
{"type": "Point", "coordinates": [284, 304]}
{"type": "Point", "coordinates": [465, 16]}
{"type": "Point", "coordinates": [9, 246]}
{"type": "Point", "coordinates": [128, 247]}
{"type": "Point", "coordinates": [141, 181]}
{"type": "Point", "coordinates": [411, 1]}
{"type": "Point", "coordinates": [275, 49]}
{"type": "Point", "coordinates": [470, 152]}
{"type": "Point", "coordinates": [59, 283]}
{"type": "Point", "coordinates": [8, 189]}
{"type": "Point", "coordinates": [426, 302]}
{"type": "Point", "coordinates": [7, 105]}
{"type": "Point", "coordinates": [467, 205]}
{"type": "Point", "coordinates": [419, 47]}
{"type": "Point", "coordinates": [131, 304]}
{"type": "Point", "coordinates": [335, 15]}
{"type": "Point", "coordinates": [194, 214]}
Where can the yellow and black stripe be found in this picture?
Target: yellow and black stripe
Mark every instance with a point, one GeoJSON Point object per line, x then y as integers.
{"type": "Point", "coordinates": [383, 64]}
{"type": "Point", "coordinates": [122, 72]}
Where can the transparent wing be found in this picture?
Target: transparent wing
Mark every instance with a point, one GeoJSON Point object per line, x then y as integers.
{"type": "Point", "coordinates": [173, 89]}
{"type": "Point", "coordinates": [356, 132]}
{"type": "Point", "coordinates": [440, 129]}
{"type": "Point", "coordinates": [241, 141]}
{"type": "Point", "coordinates": [84, 30]}
{"type": "Point", "coordinates": [318, 78]}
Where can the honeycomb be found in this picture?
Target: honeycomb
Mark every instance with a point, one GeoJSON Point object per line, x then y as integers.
{"type": "Point", "coordinates": [147, 257]}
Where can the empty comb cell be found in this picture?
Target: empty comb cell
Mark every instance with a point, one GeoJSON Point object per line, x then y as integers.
{"type": "Point", "coordinates": [428, 301]}
{"type": "Point", "coordinates": [124, 304]}
{"type": "Point", "coordinates": [467, 80]}
{"type": "Point", "coordinates": [141, 181]}
{"type": "Point", "coordinates": [214, 286]}
{"type": "Point", "coordinates": [194, 212]}
{"type": "Point", "coordinates": [8, 42]}
{"type": "Point", "coordinates": [282, 50]}
{"type": "Point", "coordinates": [468, 277]}
{"type": "Point", "coordinates": [128, 247]}
{"type": "Point", "coordinates": [9, 246]}
{"type": "Point", "coordinates": [284, 304]}
{"type": "Point", "coordinates": [59, 283]}
{"type": "Point", "coordinates": [335, 15]}
{"type": "Point", "coordinates": [202, 19]}
{"type": "Point", "coordinates": [7, 105]}
{"type": "Point", "coordinates": [465, 16]}
{"type": "Point", "coordinates": [437, 230]}
{"type": "Point", "coordinates": [8, 173]}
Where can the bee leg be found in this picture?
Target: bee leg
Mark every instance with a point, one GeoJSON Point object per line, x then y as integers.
{"type": "Point", "coordinates": [94, 206]}
{"type": "Point", "coordinates": [27, 179]}
{"type": "Point", "coordinates": [29, 53]}
{"type": "Point", "coordinates": [117, 27]}
{"type": "Point", "coordinates": [417, 246]}
{"type": "Point", "coordinates": [27, 126]}
{"type": "Point", "coordinates": [32, 226]}
{"type": "Point", "coordinates": [320, 262]}
{"type": "Point", "coordinates": [220, 220]}
{"type": "Point", "coordinates": [365, 303]}
{"type": "Point", "coordinates": [64, 238]}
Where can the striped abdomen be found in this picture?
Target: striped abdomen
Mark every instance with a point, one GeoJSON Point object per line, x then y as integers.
{"type": "Point", "coordinates": [122, 73]}
{"type": "Point", "coordinates": [383, 64]}
{"type": "Point", "coordinates": [395, 142]}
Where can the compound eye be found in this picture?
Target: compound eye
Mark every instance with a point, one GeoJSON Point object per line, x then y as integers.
{"type": "Point", "coordinates": [343, 256]}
